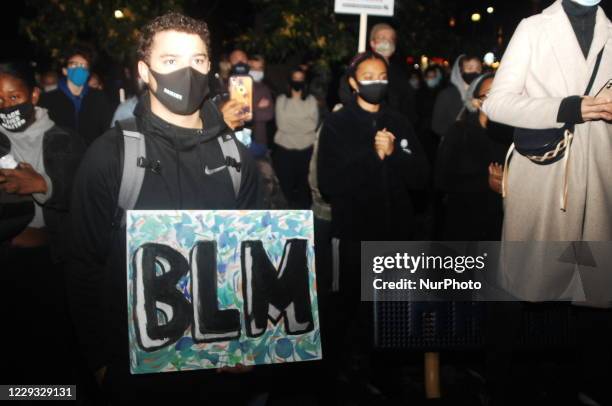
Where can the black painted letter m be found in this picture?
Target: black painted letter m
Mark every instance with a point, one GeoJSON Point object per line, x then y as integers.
{"type": "Point", "coordinates": [271, 294]}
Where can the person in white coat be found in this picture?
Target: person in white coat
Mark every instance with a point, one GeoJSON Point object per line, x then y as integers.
{"type": "Point", "coordinates": [540, 85]}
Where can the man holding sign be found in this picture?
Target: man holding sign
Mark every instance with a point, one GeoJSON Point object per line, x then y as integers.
{"type": "Point", "coordinates": [183, 162]}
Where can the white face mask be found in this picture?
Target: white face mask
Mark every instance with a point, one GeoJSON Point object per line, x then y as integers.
{"type": "Point", "coordinates": [385, 48]}
{"type": "Point", "coordinates": [587, 3]}
{"type": "Point", "coordinates": [49, 88]}
{"type": "Point", "coordinates": [257, 75]}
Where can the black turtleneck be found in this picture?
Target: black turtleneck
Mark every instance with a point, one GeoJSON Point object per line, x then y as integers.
{"type": "Point", "coordinates": [582, 19]}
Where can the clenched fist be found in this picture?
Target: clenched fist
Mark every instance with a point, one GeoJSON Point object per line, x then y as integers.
{"type": "Point", "coordinates": [384, 143]}
{"type": "Point", "coordinates": [23, 180]}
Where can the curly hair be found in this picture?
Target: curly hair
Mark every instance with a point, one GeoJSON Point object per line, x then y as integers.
{"type": "Point", "coordinates": [170, 22]}
{"type": "Point", "coordinates": [81, 48]}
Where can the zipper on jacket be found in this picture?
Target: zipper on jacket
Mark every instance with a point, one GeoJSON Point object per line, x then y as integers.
{"type": "Point", "coordinates": [178, 171]}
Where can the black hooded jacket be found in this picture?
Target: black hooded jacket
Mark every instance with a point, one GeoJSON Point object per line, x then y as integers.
{"type": "Point", "coordinates": [92, 120]}
{"type": "Point", "coordinates": [369, 197]}
{"type": "Point", "coordinates": [96, 273]}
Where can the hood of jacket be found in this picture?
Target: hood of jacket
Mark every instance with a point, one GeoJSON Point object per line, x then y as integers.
{"type": "Point", "coordinates": [457, 79]}
{"type": "Point", "coordinates": [180, 138]}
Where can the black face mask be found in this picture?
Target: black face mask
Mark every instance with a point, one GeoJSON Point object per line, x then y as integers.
{"type": "Point", "coordinates": [297, 85]}
{"type": "Point", "coordinates": [181, 91]}
{"type": "Point", "coordinates": [17, 118]}
{"type": "Point", "coordinates": [470, 77]}
{"type": "Point", "coordinates": [240, 68]}
{"type": "Point", "coordinates": [373, 91]}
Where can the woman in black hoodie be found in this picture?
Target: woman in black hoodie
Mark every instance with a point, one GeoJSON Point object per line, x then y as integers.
{"type": "Point", "coordinates": [369, 159]}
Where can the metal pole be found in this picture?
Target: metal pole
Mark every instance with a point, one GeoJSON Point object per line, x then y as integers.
{"type": "Point", "coordinates": [363, 29]}
{"type": "Point", "coordinates": [432, 375]}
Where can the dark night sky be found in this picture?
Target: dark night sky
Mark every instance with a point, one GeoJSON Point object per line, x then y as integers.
{"type": "Point", "coordinates": [224, 16]}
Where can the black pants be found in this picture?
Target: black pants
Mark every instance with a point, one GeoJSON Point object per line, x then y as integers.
{"type": "Point", "coordinates": [593, 336]}
{"type": "Point", "coordinates": [589, 356]}
{"type": "Point", "coordinates": [291, 166]}
{"type": "Point", "coordinates": [36, 334]}
{"type": "Point", "coordinates": [349, 336]}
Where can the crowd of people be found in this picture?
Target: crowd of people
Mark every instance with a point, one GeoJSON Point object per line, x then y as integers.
{"type": "Point", "coordinates": [407, 154]}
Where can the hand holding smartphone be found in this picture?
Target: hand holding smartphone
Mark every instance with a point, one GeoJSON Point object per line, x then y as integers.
{"type": "Point", "coordinates": [241, 90]}
{"type": "Point", "coordinates": [605, 92]}
{"type": "Point", "coordinates": [600, 106]}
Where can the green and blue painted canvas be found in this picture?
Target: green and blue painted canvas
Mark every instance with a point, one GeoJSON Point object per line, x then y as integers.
{"type": "Point", "coordinates": [210, 289]}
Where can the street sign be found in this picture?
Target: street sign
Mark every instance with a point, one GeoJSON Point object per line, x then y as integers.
{"type": "Point", "coordinates": [370, 7]}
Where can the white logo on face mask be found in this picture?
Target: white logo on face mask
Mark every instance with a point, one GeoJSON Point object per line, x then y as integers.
{"type": "Point", "coordinates": [12, 121]}
{"type": "Point", "coordinates": [173, 94]}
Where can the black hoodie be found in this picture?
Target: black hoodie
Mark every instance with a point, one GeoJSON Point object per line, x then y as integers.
{"type": "Point", "coordinates": [473, 212]}
{"type": "Point", "coordinates": [370, 197]}
{"type": "Point", "coordinates": [96, 273]}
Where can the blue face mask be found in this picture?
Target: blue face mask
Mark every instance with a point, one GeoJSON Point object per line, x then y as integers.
{"type": "Point", "coordinates": [587, 3]}
{"type": "Point", "coordinates": [431, 83]}
{"type": "Point", "coordinates": [78, 75]}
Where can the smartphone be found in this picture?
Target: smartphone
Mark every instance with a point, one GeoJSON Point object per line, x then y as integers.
{"type": "Point", "coordinates": [8, 162]}
{"type": "Point", "coordinates": [605, 91]}
{"type": "Point", "coordinates": [241, 90]}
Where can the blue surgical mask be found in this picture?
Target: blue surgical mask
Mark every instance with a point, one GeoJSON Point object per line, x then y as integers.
{"type": "Point", "coordinates": [257, 75]}
{"type": "Point", "coordinates": [78, 75]}
{"type": "Point", "coordinates": [587, 3]}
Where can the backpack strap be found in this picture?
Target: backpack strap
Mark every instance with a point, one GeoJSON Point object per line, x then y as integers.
{"type": "Point", "coordinates": [231, 153]}
{"type": "Point", "coordinates": [134, 149]}
{"type": "Point", "coordinates": [232, 159]}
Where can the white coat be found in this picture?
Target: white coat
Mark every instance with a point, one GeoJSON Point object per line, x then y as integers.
{"type": "Point", "coordinates": [542, 65]}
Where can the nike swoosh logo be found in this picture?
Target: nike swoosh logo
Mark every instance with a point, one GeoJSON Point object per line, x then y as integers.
{"type": "Point", "coordinates": [209, 171]}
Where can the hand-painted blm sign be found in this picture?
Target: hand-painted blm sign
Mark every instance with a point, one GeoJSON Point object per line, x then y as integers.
{"type": "Point", "coordinates": [208, 289]}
